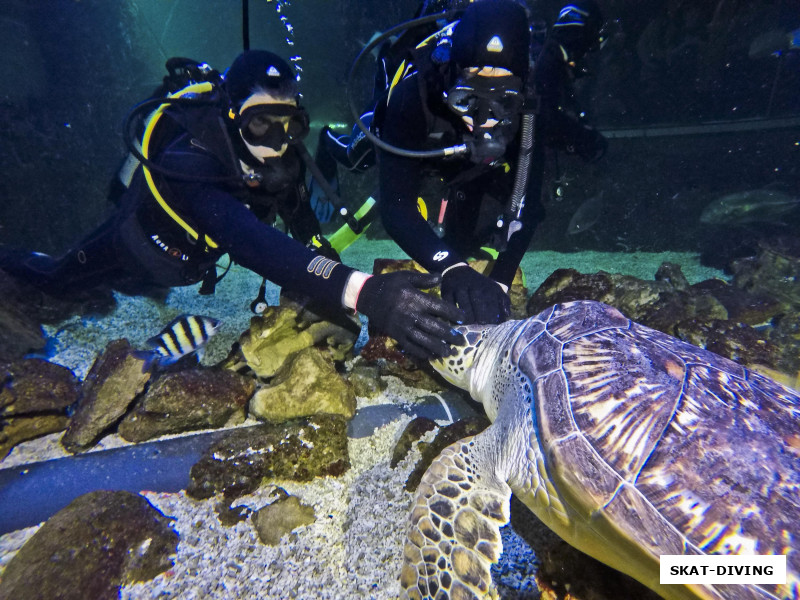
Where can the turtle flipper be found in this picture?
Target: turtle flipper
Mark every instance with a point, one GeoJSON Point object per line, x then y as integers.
{"type": "Point", "coordinates": [454, 529]}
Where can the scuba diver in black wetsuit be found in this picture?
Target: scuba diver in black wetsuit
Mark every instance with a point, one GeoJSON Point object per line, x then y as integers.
{"type": "Point", "coordinates": [353, 151]}
{"type": "Point", "coordinates": [219, 163]}
{"type": "Point", "coordinates": [479, 98]}
{"type": "Point", "coordinates": [575, 33]}
{"type": "Point", "coordinates": [468, 90]}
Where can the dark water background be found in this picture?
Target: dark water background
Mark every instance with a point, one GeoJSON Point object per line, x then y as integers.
{"type": "Point", "coordinates": [71, 69]}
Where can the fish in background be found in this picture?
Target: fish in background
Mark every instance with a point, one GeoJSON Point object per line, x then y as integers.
{"type": "Point", "coordinates": [749, 206]}
{"type": "Point", "coordinates": [185, 335]}
{"type": "Point", "coordinates": [587, 215]}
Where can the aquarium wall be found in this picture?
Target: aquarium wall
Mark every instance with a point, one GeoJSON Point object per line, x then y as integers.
{"type": "Point", "coordinates": [72, 69]}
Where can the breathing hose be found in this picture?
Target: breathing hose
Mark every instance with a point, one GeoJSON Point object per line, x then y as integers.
{"type": "Point", "coordinates": [517, 200]}
{"type": "Point", "coordinates": [155, 104]}
{"type": "Point", "coordinates": [438, 153]}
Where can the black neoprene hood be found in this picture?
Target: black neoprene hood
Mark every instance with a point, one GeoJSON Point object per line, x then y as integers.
{"type": "Point", "coordinates": [493, 33]}
{"type": "Point", "coordinates": [258, 69]}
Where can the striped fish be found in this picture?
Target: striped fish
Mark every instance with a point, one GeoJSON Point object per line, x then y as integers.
{"type": "Point", "coordinates": [181, 337]}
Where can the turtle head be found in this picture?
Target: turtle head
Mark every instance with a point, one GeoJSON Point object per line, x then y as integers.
{"type": "Point", "coordinates": [456, 368]}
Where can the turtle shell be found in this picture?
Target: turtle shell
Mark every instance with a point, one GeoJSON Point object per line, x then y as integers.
{"type": "Point", "coordinates": [682, 450]}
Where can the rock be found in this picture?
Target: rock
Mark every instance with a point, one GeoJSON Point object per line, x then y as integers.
{"type": "Point", "coordinates": [306, 384]}
{"type": "Point", "coordinates": [231, 515]}
{"type": "Point", "coordinates": [20, 332]}
{"type": "Point", "coordinates": [675, 308]}
{"type": "Point", "coordinates": [638, 299]}
{"type": "Point", "coordinates": [392, 265]}
{"type": "Point", "coordinates": [772, 272]}
{"type": "Point", "coordinates": [711, 314]}
{"type": "Point", "coordinates": [672, 274]}
{"type": "Point", "coordinates": [100, 541]}
{"type": "Point", "coordinates": [284, 515]}
{"type": "Point", "coordinates": [446, 436]}
{"type": "Point", "coordinates": [785, 333]}
{"type": "Point", "coordinates": [567, 285]}
{"type": "Point", "coordinates": [35, 385]}
{"type": "Point", "coordinates": [300, 450]}
{"type": "Point", "coordinates": [383, 352]}
{"type": "Point", "coordinates": [366, 379]}
{"type": "Point", "coordinates": [16, 430]}
{"type": "Point", "coordinates": [115, 379]}
{"type": "Point", "coordinates": [750, 308]}
{"type": "Point", "coordinates": [24, 307]}
{"type": "Point", "coordinates": [636, 295]}
{"type": "Point", "coordinates": [188, 400]}
{"type": "Point", "coordinates": [732, 340]}
{"type": "Point", "coordinates": [270, 339]}
{"type": "Point", "coordinates": [33, 400]}
{"type": "Point", "coordinates": [413, 431]}
{"type": "Point", "coordinates": [633, 297]}
{"type": "Point", "coordinates": [382, 348]}
{"type": "Point", "coordinates": [422, 377]}
{"type": "Point", "coordinates": [283, 330]}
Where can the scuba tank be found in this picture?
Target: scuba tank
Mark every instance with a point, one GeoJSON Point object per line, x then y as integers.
{"type": "Point", "coordinates": [188, 82]}
{"type": "Point", "coordinates": [181, 73]}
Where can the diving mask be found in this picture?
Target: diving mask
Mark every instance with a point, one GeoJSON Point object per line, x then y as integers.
{"type": "Point", "coordinates": [273, 125]}
{"type": "Point", "coordinates": [484, 98]}
{"type": "Point", "coordinates": [493, 105]}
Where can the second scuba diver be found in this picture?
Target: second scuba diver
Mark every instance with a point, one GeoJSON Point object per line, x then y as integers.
{"type": "Point", "coordinates": [468, 88]}
{"type": "Point", "coordinates": [222, 164]}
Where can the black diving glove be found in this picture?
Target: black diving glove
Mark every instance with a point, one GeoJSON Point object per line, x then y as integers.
{"type": "Point", "coordinates": [396, 306]}
{"type": "Point", "coordinates": [481, 298]}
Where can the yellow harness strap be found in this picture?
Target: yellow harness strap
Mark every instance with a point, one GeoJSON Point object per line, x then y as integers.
{"type": "Point", "coordinates": [197, 88]}
{"type": "Point", "coordinates": [406, 68]}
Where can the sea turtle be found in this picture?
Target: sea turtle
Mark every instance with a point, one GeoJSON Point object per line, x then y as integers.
{"type": "Point", "coordinates": [625, 441]}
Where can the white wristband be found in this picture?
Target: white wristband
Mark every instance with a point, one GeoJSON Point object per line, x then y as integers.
{"type": "Point", "coordinates": [461, 264]}
{"type": "Point", "coordinates": [352, 288]}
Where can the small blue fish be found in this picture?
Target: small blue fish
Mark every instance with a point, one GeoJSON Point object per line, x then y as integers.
{"type": "Point", "coordinates": [181, 337]}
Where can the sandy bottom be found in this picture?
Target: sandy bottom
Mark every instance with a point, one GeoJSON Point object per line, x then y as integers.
{"type": "Point", "coordinates": [354, 548]}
